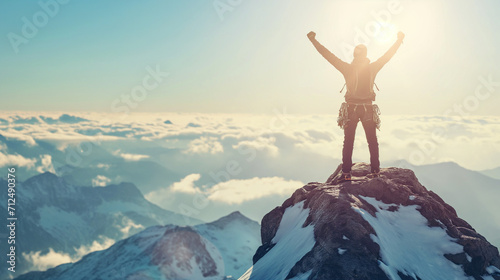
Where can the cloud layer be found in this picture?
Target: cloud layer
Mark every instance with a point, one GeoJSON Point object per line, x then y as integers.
{"type": "Point", "coordinates": [418, 139]}
{"type": "Point", "coordinates": [227, 160]}
{"type": "Point", "coordinates": [239, 191]}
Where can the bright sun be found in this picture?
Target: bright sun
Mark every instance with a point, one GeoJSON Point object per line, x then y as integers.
{"type": "Point", "coordinates": [387, 32]}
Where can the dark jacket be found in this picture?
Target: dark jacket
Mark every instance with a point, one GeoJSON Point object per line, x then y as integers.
{"type": "Point", "coordinates": [360, 74]}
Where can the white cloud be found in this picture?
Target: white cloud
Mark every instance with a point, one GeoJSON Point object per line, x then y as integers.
{"type": "Point", "coordinates": [254, 197]}
{"type": "Point", "coordinates": [184, 186]}
{"type": "Point", "coordinates": [51, 259]}
{"type": "Point", "coordinates": [16, 160]}
{"type": "Point", "coordinates": [234, 191]}
{"type": "Point", "coordinates": [129, 224]}
{"type": "Point", "coordinates": [260, 144]}
{"type": "Point", "coordinates": [61, 146]}
{"type": "Point", "coordinates": [239, 191]}
{"type": "Point", "coordinates": [18, 135]}
{"type": "Point", "coordinates": [205, 145]}
{"type": "Point", "coordinates": [100, 181]}
{"type": "Point", "coordinates": [129, 157]}
{"type": "Point", "coordinates": [321, 147]}
{"type": "Point", "coordinates": [97, 245]}
{"type": "Point", "coordinates": [231, 192]}
{"type": "Point", "coordinates": [104, 166]}
{"type": "Point", "coordinates": [46, 161]}
{"type": "Point", "coordinates": [133, 157]}
{"type": "Point", "coordinates": [46, 261]}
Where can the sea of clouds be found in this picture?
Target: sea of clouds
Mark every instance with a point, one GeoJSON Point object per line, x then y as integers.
{"type": "Point", "coordinates": [207, 165]}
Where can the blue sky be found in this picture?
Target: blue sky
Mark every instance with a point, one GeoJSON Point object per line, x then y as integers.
{"type": "Point", "coordinates": [252, 58]}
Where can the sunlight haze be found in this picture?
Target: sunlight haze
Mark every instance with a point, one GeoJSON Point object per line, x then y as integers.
{"type": "Point", "coordinates": [252, 58]}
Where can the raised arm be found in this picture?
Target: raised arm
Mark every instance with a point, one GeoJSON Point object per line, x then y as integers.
{"type": "Point", "coordinates": [335, 61]}
{"type": "Point", "coordinates": [389, 54]}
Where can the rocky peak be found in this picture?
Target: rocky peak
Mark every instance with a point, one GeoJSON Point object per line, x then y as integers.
{"type": "Point", "coordinates": [124, 191]}
{"type": "Point", "coordinates": [47, 184]}
{"type": "Point", "coordinates": [389, 227]}
{"type": "Point", "coordinates": [46, 178]}
{"type": "Point", "coordinates": [57, 191]}
{"type": "Point", "coordinates": [182, 253]}
{"type": "Point", "coordinates": [231, 218]}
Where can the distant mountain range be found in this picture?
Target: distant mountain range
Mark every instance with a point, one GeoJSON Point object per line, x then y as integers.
{"type": "Point", "coordinates": [54, 214]}
{"type": "Point", "coordinates": [493, 173]}
{"type": "Point", "coordinates": [219, 250]}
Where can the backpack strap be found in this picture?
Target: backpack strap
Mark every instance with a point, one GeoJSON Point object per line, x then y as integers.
{"type": "Point", "coordinates": [342, 88]}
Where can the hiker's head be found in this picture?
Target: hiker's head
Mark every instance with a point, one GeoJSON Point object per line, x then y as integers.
{"type": "Point", "coordinates": [360, 51]}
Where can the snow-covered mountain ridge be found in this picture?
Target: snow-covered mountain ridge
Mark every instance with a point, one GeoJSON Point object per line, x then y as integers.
{"type": "Point", "coordinates": [59, 216]}
{"type": "Point", "coordinates": [390, 227]}
{"type": "Point", "coordinates": [212, 251]}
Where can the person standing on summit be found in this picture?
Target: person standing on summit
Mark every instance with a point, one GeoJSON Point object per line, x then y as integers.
{"type": "Point", "coordinates": [359, 79]}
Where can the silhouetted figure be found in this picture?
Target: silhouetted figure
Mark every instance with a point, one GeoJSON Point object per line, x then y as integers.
{"type": "Point", "coordinates": [359, 79]}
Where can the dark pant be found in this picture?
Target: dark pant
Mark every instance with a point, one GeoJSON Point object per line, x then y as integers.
{"type": "Point", "coordinates": [364, 114]}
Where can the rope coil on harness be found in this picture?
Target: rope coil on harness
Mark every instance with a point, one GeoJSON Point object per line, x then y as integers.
{"type": "Point", "coordinates": [343, 117]}
{"type": "Point", "coordinates": [376, 114]}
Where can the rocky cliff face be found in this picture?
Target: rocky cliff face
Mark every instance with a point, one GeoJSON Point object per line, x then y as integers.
{"type": "Point", "coordinates": [389, 227]}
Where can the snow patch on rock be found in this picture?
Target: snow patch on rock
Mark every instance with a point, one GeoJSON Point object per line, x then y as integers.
{"type": "Point", "coordinates": [409, 245]}
{"type": "Point", "coordinates": [292, 241]}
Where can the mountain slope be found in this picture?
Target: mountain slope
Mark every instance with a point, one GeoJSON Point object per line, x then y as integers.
{"type": "Point", "coordinates": [160, 252]}
{"type": "Point", "coordinates": [472, 194]}
{"type": "Point", "coordinates": [207, 251]}
{"type": "Point", "coordinates": [493, 173]}
{"type": "Point", "coordinates": [65, 218]}
{"type": "Point", "coordinates": [384, 228]}
{"type": "Point", "coordinates": [237, 238]}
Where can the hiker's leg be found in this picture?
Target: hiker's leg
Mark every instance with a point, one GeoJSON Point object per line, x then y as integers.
{"type": "Point", "coordinates": [371, 137]}
{"type": "Point", "coordinates": [349, 134]}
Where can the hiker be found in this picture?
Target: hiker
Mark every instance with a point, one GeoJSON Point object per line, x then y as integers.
{"type": "Point", "coordinates": [359, 79]}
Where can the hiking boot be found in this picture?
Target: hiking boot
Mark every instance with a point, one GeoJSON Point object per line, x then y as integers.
{"type": "Point", "coordinates": [346, 176]}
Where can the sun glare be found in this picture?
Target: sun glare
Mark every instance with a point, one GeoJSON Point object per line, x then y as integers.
{"type": "Point", "coordinates": [386, 33]}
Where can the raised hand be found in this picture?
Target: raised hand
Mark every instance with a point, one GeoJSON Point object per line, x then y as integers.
{"type": "Point", "coordinates": [401, 36]}
{"type": "Point", "coordinates": [311, 35]}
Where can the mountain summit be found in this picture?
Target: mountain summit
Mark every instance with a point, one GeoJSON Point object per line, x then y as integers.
{"type": "Point", "coordinates": [390, 227]}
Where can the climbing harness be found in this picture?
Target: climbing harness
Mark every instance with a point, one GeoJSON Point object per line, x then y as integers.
{"type": "Point", "coordinates": [343, 117]}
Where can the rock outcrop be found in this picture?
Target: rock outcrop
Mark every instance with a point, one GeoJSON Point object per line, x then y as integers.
{"type": "Point", "coordinates": [390, 227]}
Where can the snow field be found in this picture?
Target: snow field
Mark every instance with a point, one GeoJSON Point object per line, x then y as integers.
{"type": "Point", "coordinates": [292, 242]}
{"type": "Point", "coordinates": [409, 245]}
